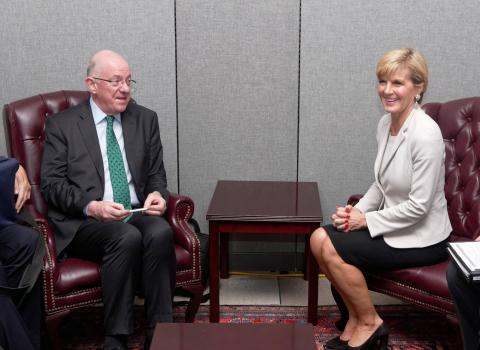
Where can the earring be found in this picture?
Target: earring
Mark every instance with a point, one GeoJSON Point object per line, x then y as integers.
{"type": "Point", "coordinates": [417, 98]}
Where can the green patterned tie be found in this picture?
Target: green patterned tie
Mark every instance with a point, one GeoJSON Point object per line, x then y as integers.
{"type": "Point", "coordinates": [118, 177]}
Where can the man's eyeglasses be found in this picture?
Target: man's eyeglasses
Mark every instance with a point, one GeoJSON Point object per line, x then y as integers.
{"type": "Point", "coordinates": [117, 83]}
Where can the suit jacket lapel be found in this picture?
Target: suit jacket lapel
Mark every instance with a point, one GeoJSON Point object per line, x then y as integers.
{"type": "Point", "coordinates": [88, 132]}
{"type": "Point", "coordinates": [132, 143]}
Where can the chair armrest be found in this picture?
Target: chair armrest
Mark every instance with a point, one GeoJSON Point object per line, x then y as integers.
{"type": "Point", "coordinates": [46, 230]}
{"type": "Point", "coordinates": [180, 210]}
{"type": "Point", "coordinates": [50, 269]}
{"type": "Point", "coordinates": [50, 259]}
{"type": "Point", "coordinates": [354, 198]}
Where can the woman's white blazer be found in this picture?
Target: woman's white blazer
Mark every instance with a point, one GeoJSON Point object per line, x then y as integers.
{"type": "Point", "coordinates": [408, 207]}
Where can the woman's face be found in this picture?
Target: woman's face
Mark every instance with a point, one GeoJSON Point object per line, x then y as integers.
{"type": "Point", "coordinates": [397, 92]}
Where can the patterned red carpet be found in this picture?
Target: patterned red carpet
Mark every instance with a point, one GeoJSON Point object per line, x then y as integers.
{"type": "Point", "coordinates": [410, 327]}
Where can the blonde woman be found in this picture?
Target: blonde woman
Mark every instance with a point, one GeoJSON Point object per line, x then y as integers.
{"type": "Point", "coordinates": [402, 220]}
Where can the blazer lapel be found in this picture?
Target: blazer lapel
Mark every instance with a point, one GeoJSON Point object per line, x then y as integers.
{"type": "Point", "coordinates": [386, 161]}
{"type": "Point", "coordinates": [400, 139]}
{"type": "Point", "coordinates": [88, 132]}
{"type": "Point", "coordinates": [381, 149]}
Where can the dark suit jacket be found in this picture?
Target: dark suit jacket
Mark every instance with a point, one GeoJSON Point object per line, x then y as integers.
{"type": "Point", "coordinates": [72, 168]}
{"type": "Point", "coordinates": [8, 169]}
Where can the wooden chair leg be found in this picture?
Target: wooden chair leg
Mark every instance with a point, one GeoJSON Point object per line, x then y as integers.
{"type": "Point", "coordinates": [196, 292]}
{"type": "Point", "coordinates": [458, 333]}
{"type": "Point", "coordinates": [53, 327]}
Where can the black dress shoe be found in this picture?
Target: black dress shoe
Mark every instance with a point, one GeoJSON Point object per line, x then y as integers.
{"type": "Point", "coordinates": [148, 338]}
{"type": "Point", "coordinates": [377, 341]}
{"type": "Point", "coordinates": [336, 344]}
{"type": "Point", "coordinates": [116, 342]}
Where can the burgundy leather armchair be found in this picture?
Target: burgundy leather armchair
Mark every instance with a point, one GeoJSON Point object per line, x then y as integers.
{"type": "Point", "coordinates": [73, 283]}
{"type": "Point", "coordinates": [426, 286]}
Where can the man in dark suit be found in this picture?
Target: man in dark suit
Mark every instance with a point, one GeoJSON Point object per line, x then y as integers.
{"type": "Point", "coordinates": [466, 297]}
{"type": "Point", "coordinates": [20, 265]}
{"type": "Point", "coordinates": [101, 159]}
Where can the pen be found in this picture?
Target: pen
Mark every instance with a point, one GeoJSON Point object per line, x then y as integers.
{"type": "Point", "coordinates": [138, 209]}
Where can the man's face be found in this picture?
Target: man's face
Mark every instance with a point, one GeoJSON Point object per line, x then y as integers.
{"type": "Point", "coordinates": [108, 85]}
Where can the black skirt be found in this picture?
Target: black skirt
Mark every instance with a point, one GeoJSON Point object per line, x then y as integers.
{"type": "Point", "coordinates": [358, 248]}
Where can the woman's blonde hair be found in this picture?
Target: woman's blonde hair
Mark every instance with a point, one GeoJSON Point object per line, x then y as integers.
{"type": "Point", "coordinates": [405, 57]}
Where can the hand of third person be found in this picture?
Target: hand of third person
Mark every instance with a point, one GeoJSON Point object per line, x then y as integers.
{"type": "Point", "coordinates": [22, 188]}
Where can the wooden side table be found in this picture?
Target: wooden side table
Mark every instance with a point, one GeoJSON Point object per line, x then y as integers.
{"type": "Point", "coordinates": [266, 207]}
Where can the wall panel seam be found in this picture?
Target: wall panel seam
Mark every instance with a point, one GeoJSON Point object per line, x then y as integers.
{"type": "Point", "coordinates": [176, 95]}
{"type": "Point", "coordinates": [298, 106]}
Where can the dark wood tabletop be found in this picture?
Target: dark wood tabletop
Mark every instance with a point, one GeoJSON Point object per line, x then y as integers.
{"type": "Point", "coordinates": [216, 336]}
{"type": "Point", "coordinates": [273, 201]}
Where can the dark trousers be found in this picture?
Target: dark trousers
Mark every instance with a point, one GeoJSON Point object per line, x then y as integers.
{"type": "Point", "coordinates": [138, 253]}
{"type": "Point", "coordinates": [467, 302]}
{"type": "Point", "coordinates": [19, 327]}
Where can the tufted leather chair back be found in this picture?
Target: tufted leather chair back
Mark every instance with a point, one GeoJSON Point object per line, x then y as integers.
{"type": "Point", "coordinates": [459, 122]}
{"type": "Point", "coordinates": [26, 135]}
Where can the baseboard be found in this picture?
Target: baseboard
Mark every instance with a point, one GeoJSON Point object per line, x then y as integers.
{"type": "Point", "coordinates": [267, 261]}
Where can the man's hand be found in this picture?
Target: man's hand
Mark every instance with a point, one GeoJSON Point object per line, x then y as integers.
{"type": "Point", "coordinates": [107, 211]}
{"type": "Point", "coordinates": [22, 188]}
{"type": "Point", "coordinates": [155, 203]}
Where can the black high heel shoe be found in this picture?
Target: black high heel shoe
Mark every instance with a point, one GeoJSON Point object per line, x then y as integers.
{"type": "Point", "coordinates": [336, 344]}
{"type": "Point", "coordinates": [377, 341]}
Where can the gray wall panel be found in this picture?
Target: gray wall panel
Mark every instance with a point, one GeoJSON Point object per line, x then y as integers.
{"type": "Point", "coordinates": [339, 108]}
{"type": "Point", "coordinates": [46, 46]}
{"type": "Point", "coordinates": [237, 76]}
{"type": "Point", "coordinates": [237, 93]}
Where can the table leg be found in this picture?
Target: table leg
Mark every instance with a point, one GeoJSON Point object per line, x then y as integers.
{"type": "Point", "coordinates": [306, 265]}
{"type": "Point", "coordinates": [312, 285]}
{"type": "Point", "coordinates": [224, 254]}
{"type": "Point", "coordinates": [214, 267]}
